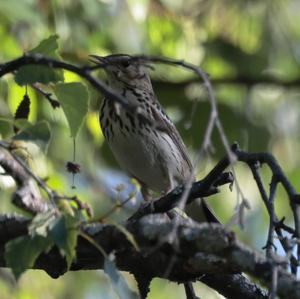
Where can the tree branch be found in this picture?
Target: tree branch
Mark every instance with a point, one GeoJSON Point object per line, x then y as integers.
{"type": "Point", "coordinates": [27, 196]}
{"type": "Point", "coordinates": [204, 249]}
{"type": "Point", "coordinates": [83, 71]}
{"type": "Point", "coordinates": [203, 188]}
{"type": "Point", "coordinates": [54, 103]}
{"type": "Point", "coordinates": [266, 158]}
{"type": "Point", "coordinates": [239, 80]}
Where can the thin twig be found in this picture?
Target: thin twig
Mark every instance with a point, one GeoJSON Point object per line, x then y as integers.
{"type": "Point", "coordinates": [273, 218]}
{"type": "Point", "coordinates": [212, 122]}
{"type": "Point", "coordinates": [266, 158]}
{"type": "Point", "coordinates": [54, 103]}
{"type": "Point", "coordinates": [113, 209]}
{"type": "Point", "coordinates": [203, 188]}
{"type": "Point", "coordinates": [214, 116]}
{"type": "Point", "coordinates": [82, 71]}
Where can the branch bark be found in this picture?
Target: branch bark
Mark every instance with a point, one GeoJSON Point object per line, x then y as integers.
{"type": "Point", "coordinates": [200, 249]}
{"type": "Point", "coordinates": [27, 195]}
{"type": "Point", "coordinates": [204, 249]}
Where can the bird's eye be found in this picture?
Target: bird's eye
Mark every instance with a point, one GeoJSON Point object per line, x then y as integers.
{"type": "Point", "coordinates": [125, 63]}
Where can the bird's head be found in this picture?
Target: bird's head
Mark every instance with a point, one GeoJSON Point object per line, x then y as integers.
{"type": "Point", "coordinates": [124, 71]}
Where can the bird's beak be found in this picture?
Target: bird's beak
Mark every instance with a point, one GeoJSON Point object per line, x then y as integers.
{"type": "Point", "coordinates": [99, 60]}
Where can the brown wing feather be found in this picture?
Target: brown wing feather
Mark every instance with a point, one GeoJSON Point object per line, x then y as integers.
{"type": "Point", "coordinates": [167, 125]}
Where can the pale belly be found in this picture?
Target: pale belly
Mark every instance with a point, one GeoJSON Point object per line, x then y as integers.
{"type": "Point", "coordinates": [148, 158]}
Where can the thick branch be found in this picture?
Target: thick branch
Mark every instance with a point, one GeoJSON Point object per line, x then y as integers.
{"type": "Point", "coordinates": [203, 188]}
{"type": "Point", "coordinates": [36, 59]}
{"type": "Point", "coordinates": [27, 195]}
{"type": "Point", "coordinates": [217, 177]}
{"type": "Point", "coordinates": [204, 249]}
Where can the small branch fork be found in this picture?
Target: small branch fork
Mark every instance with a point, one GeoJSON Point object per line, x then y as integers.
{"type": "Point", "coordinates": [27, 196]}
{"type": "Point", "coordinates": [254, 161]}
{"type": "Point", "coordinates": [217, 177]}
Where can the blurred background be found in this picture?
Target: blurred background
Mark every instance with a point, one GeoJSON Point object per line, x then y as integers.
{"type": "Point", "coordinates": [250, 49]}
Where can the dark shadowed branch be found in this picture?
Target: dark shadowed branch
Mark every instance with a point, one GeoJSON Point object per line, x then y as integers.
{"type": "Point", "coordinates": [203, 249]}
{"type": "Point", "coordinates": [253, 160]}
{"type": "Point", "coordinates": [48, 96]}
{"type": "Point", "coordinates": [83, 71]}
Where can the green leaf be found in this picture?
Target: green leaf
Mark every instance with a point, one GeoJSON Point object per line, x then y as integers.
{"type": "Point", "coordinates": [40, 224]}
{"type": "Point", "coordinates": [22, 123]}
{"type": "Point", "coordinates": [38, 133]}
{"type": "Point", "coordinates": [74, 99]}
{"type": "Point", "coordinates": [118, 281]}
{"type": "Point", "coordinates": [5, 127]}
{"type": "Point", "coordinates": [7, 124]}
{"type": "Point", "coordinates": [21, 253]}
{"type": "Point", "coordinates": [62, 229]}
{"type": "Point", "coordinates": [47, 47]}
{"type": "Point", "coordinates": [30, 74]}
{"type": "Point", "coordinates": [64, 233]}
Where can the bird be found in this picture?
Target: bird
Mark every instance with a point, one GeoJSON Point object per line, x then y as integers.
{"type": "Point", "coordinates": [153, 151]}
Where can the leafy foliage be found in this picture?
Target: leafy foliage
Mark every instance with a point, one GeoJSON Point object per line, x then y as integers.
{"type": "Point", "coordinates": [45, 230]}
{"type": "Point", "coordinates": [64, 232]}
{"type": "Point", "coordinates": [30, 74]}
{"type": "Point", "coordinates": [38, 133]}
{"type": "Point", "coordinates": [74, 99]}
{"type": "Point", "coordinates": [40, 224]}
{"type": "Point", "coordinates": [21, 253]}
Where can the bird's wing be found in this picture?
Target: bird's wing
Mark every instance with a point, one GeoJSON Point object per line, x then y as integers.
{"type": "Point", "coordinates": [167, 125]}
